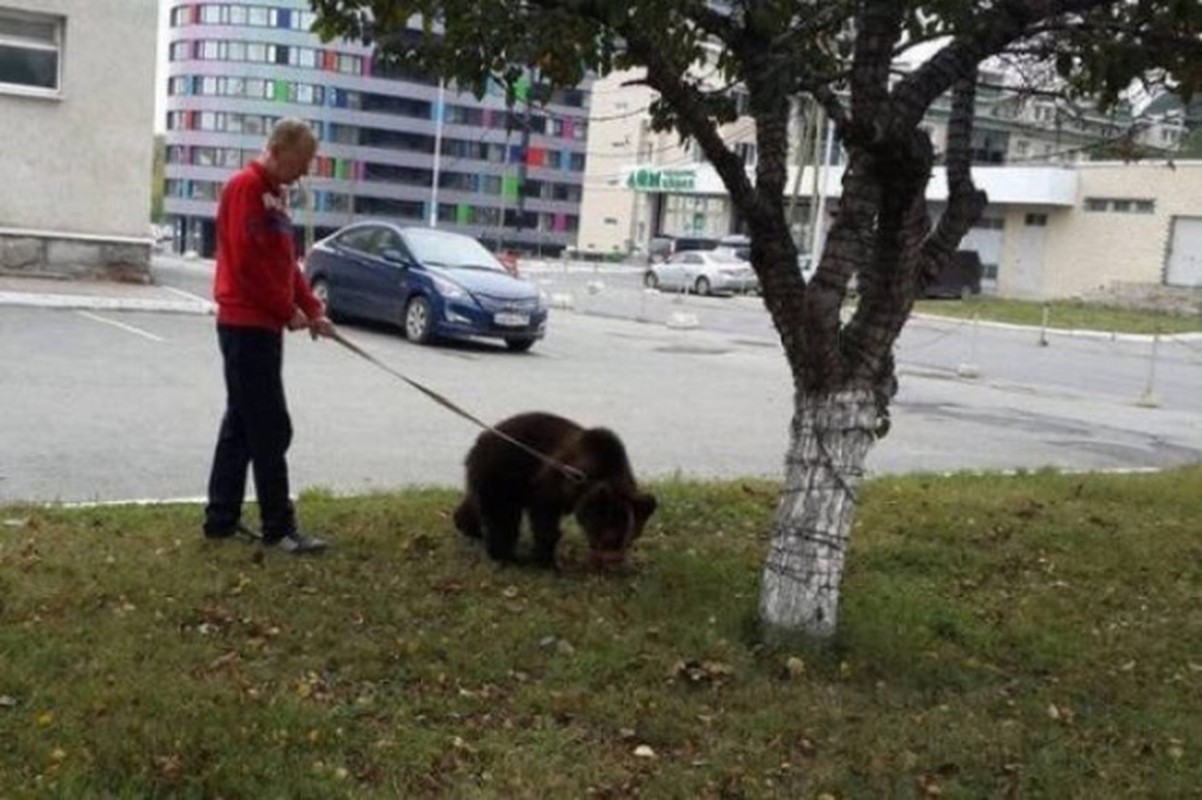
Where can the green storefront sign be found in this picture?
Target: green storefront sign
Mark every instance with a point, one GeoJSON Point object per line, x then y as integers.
{"type": "Point", "coordinates": [662, 180]}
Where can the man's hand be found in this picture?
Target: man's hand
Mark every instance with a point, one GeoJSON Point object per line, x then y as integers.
{"type": "Point", "coordinates": [298, 321]}
{"type": "Point", "coordinates": [321, 327]}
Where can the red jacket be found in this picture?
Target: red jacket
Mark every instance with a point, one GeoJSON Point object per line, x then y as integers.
{"type": "Point", "coordinates": [258, 283]}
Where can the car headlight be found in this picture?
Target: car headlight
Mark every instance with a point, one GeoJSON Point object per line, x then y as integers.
{"type": "Point", "coordinates": [449, 289]}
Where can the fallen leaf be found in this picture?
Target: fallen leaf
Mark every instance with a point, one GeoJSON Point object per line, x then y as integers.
{"type": "Point", "coordinates": [929, 786]}
{"type": "Point", "coordinates": [644, 751]}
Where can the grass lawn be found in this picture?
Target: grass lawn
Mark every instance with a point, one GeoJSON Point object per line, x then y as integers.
{"type": "Point", "coordinates": [1063, 314]}
{"type": "Point", "coordinates": [1035, 636]}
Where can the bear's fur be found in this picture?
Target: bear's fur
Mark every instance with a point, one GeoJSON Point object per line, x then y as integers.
{"type": "Point", "coordinates": [504, 481]}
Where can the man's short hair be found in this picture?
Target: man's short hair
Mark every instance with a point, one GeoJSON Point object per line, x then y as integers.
{"type": "Point", "coordinates": [290, 134]}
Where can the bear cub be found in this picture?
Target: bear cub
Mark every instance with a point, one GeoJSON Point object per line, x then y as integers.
{"type": "Point", "coordinates": [504, 482]}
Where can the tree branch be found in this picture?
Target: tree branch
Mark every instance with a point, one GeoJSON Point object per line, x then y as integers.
{"type": "Point", "coordinates": [965, 202]}
{"type": "Point", "coordinates": [993, 31]}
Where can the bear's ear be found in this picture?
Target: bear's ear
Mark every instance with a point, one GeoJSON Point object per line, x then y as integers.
{"type": "Point", "coordinates": [644, 506]}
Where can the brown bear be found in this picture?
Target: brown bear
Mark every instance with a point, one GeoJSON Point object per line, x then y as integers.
{"type": "Point", "coordinates": [503, 481]}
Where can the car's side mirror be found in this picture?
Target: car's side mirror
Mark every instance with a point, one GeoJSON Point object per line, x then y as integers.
{"type": "Point", "coordinates": [394, 256]}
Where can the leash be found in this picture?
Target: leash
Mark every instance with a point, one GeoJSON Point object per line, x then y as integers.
{"type": "Point", "coordinates": [569, 471]}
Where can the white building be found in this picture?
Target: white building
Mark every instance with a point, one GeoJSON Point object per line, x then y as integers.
{"type": "Point", "coordinates": [1057, 224]}
{"type": "Point", "coordinates": [76, 119]}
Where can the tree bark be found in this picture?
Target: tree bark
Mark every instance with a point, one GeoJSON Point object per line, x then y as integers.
{"type": "Point", "coordinates": [831, 436]}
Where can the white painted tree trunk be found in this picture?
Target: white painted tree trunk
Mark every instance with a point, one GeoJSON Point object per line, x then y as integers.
{"type": "Point", "coordinates": [831, 436]}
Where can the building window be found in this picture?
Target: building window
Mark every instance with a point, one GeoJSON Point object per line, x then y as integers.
{"type": "Point", "coordinates": [211, 15]}
{"type": "Point", "coordinates": [1037, 220]}
{"type": "Point", "coordinates": [1120, 205]}
{"type": "Point", "coordinates": [30, 52]}
{"type": "Point", "coordinates": [746, 152]}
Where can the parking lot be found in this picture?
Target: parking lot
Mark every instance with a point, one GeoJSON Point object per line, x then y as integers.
{"type": "Point", "coordinates": [109, 405]}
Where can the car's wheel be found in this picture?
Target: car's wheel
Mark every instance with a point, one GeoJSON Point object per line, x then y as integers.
{"type": "Point", "coordinates": [321, 290]}
{"type": "Point", "coordinates": [702, 286]}
{"type": "Point", "coordinates": [419, 326]}
{"type": "Point", "coordinates": [519, 345]}
{"type": "Point", "coordinates": [650, 280]}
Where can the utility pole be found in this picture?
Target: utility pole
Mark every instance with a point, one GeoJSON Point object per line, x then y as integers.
{"type": "Point", "coordinates": [504, 175]}
{"type": "Point", "coordinates": [803, 150]}
{"type": "Point", "coordinates": [523, 163]}
{"type": "Point", "coordinates": [439, 113]}
{"type": "Point", "coordinates": [820, 226]}
{"type": "Point", "coordinates": [812, 238]}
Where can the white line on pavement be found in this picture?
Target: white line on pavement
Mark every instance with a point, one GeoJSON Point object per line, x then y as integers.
{"type": "Point", "coordinates": [188, 295]}
{"type": "Point", "coordinates": [121, 325]}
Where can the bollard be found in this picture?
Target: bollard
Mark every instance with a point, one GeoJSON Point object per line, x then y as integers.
{"type": "Point", "coordinates": [970, 369]}
{"type": "Point", "coordinates": [1043, 329]}
{"type": "Point", "coordinates": [1148, 398]}
{"type": "Point", "coordinates": [642, 317]}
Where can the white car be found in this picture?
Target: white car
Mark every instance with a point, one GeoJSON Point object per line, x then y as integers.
{"type": "Point", "coordinates": [703, 272]}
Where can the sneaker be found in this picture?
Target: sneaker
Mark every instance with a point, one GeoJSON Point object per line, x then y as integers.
{"type": "Point", "coordinates": [297, 543]}
{"type": "Point", "coordinates": [240, 531]}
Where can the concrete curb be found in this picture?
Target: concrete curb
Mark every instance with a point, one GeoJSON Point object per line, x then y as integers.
{"type": "Point", "coordinates": [1065, 332]}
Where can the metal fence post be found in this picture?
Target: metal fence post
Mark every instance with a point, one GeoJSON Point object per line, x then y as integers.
{"type": "Point", "coordinates": [1148, 399]}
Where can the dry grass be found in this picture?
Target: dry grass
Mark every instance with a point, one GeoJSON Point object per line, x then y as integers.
{"type": "Point", "coordinates": [1038, 636]}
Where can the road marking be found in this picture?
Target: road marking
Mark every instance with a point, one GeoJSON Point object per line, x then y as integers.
{"type": "Point", "coordinates": [121, 325]}
{"type": "Point", "coordinates": [189, 295]}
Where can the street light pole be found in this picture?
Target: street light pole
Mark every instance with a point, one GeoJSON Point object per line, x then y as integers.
{"type": "Point", "coordinates": [439, 113]}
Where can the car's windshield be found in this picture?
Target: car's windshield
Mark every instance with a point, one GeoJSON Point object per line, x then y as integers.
{"type": "Point", "coordinates": [440, 249]}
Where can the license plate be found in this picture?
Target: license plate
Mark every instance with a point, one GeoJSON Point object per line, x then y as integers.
{"type": "Point", "coordinates": [510, 319]}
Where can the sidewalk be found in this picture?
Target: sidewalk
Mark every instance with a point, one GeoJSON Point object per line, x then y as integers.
{"type": "Point", "coordinates": [98, 296]}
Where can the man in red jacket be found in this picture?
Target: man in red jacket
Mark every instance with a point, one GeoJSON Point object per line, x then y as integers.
{"type": "Point", "coordinates": [260, 291]}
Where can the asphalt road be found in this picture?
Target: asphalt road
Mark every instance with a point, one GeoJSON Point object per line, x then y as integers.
{"type": "Point", "coordinates": [120, 406]}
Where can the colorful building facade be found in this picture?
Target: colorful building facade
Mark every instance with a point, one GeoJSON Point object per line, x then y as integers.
{"type": "Point", "coordinates": [394, 144]}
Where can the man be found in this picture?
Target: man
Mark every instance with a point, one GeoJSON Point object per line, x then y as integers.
{"type": "Point", "coordinates": [260, 291]}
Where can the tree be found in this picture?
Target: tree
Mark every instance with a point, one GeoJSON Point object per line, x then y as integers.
{"type": "Point", "coordinates": [158, 178]}
{"type": "Point", "coordinates": [841, 54]}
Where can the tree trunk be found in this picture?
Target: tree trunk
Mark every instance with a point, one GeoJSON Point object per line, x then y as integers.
{"type": "Point", "coordinates": [831, 436]}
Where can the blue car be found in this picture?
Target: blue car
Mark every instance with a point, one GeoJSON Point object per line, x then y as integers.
{"type": "Point", "coordinates": [432, 283]}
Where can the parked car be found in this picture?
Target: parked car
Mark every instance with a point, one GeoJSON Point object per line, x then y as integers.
{"type": "Point", "coordinates": [737, 243]}
{"type": "Point", "coordinates": [661, 248]}
{"type": "Point", "coordinates": [703, 272]}
{"type": "Point", "coordinates": [960, 277]}
{"type": "Point", "coordinates": [432, 283]}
